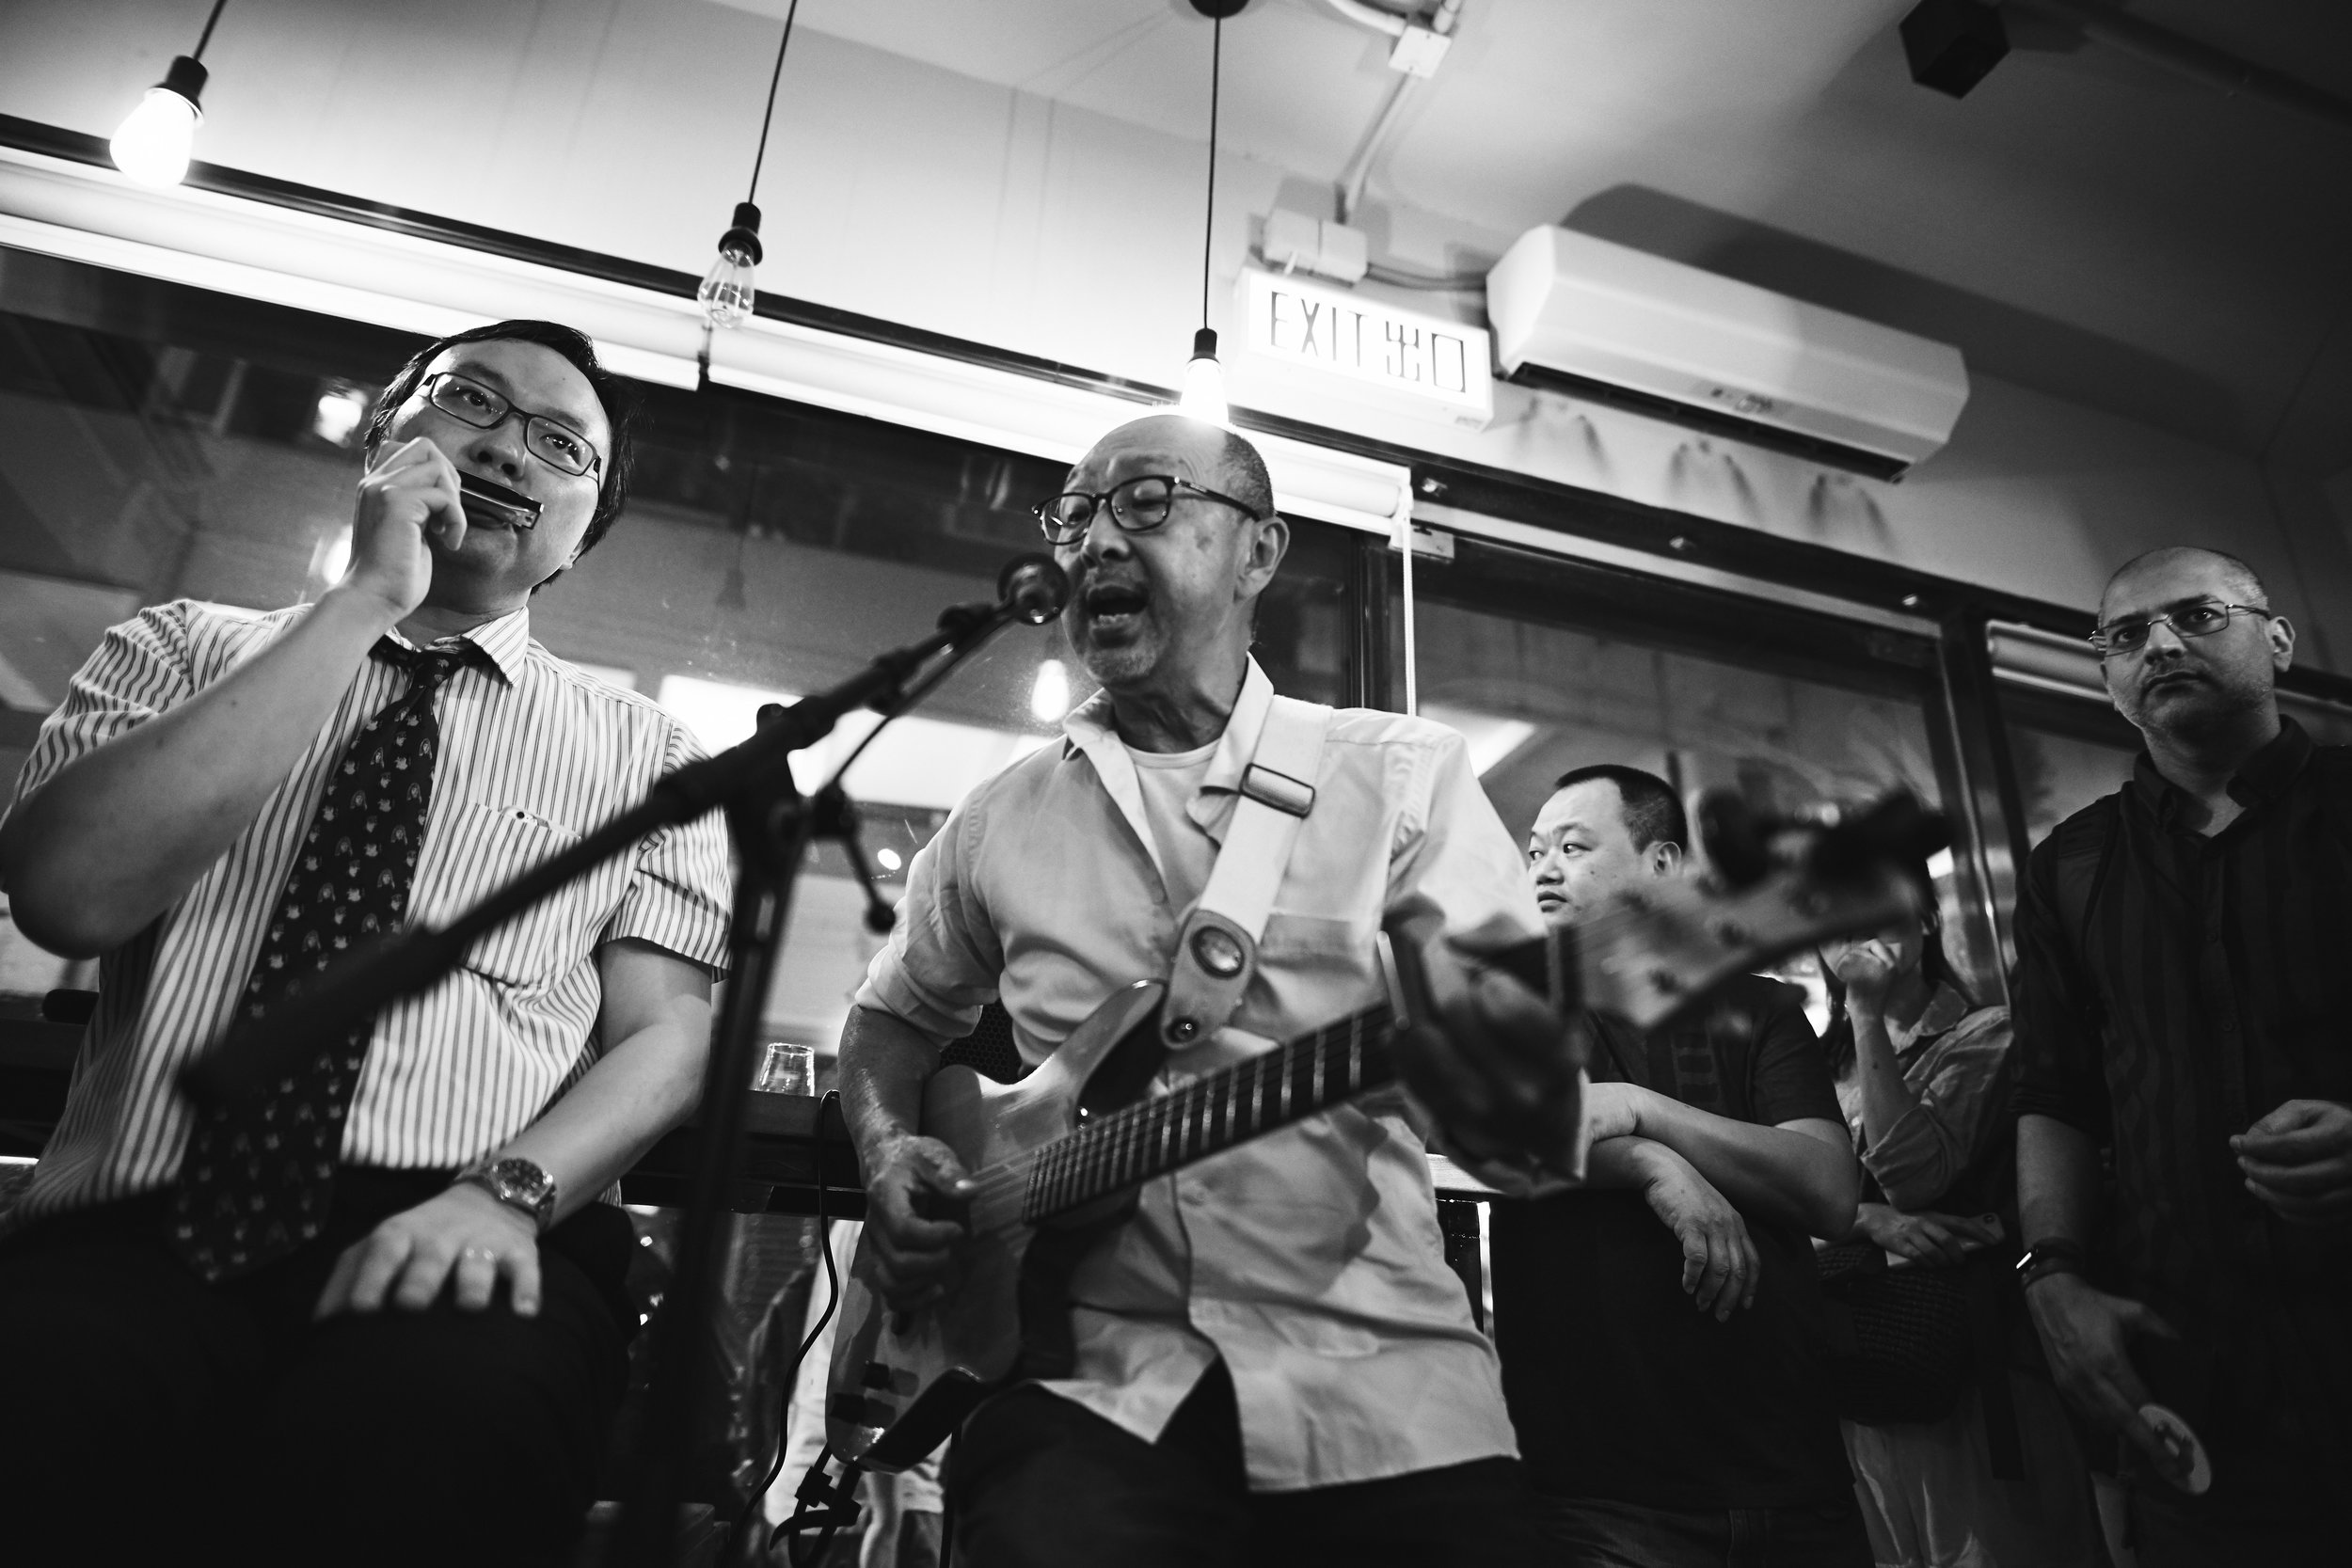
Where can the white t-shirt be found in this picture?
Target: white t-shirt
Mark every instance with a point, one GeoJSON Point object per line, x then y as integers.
{"type": "Point", "coordinates": [1169, 781]}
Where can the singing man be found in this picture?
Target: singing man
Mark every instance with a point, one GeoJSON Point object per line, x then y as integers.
{"type": "Point", "coordinates": [370, 1311]}
{"type": "Point", "coordinates": [1272, 1361]}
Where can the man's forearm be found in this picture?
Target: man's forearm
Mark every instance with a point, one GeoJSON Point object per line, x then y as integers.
{"type": "Point", "coordinates": [620, 1108]}
{"type": "Point", "coordinates": [2057, 1181]}
{"type": "Point", "coordinates": [1791, 1177]}
{"type": "Point", "coordinates": [107, 846]}
{"type": "Point", "coordinates": [884, 1061]}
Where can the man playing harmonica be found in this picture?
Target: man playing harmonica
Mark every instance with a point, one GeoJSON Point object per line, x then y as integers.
{"type": "Point", "coordinates": [371, 1310]}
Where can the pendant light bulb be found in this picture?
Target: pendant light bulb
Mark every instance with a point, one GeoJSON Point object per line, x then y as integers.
{"type": "Point", "coordinates": [154, 143]}
{"type": "Point", "coordinates": [1203, 393]}
{"type": "Point", "coordinates": [728, 291]}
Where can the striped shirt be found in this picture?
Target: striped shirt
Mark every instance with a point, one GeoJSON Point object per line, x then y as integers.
{"type": "Point", "coordinates": [2203, 982]}
{"type": "Point", "coordinates": [533, 755]}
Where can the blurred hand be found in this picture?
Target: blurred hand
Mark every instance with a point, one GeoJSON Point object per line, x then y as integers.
{"type": "Point", "coordinates": [2084, 1331]}
{"type": "Point", "coordinates": [1719, 1267]}
{"type": "Point", "coordinates": [1498, 1070]}
{"type": "Point", "coordinates": [464, 1235]}
{"type": "Point", "coordinates": [408, 495]}
{"type": "Point", "coordinates": [2298, 1161]}
{"type": "Point", "coordinates": [1924, 1237]}
{"type": "Point", "coordinates": [1868, 971]}
{"type": "Point", "coordinates": [916, 1193]}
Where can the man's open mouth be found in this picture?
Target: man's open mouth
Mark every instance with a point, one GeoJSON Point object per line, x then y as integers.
{"type": "Point", "coordinates": [1111, 606]}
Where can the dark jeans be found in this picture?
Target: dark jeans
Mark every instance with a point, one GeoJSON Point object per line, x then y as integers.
{"type": "Point", "coordinates": [147, 1415]}
{"type": "Point", "coordinates": [1035, 1481]}
{"type": "Point", "coordinates": [1593, 1532]}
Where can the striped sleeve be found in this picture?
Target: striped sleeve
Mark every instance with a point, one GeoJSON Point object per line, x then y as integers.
{"type": "Point", "coordinates": [681, 888]}
{"type": "Point", "coordinates": [143, 668]}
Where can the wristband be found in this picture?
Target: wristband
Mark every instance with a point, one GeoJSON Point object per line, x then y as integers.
{"type": "Point", "coordinates": [2055, 1255]}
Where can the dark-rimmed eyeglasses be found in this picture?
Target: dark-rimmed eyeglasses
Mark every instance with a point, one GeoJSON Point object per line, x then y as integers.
{"type": "Point", "coordinates": [1138, 505]}
{"type": "Point", "coordinates": [2130, 635]}
{"type": "Point", "coordinates": [468, 402]}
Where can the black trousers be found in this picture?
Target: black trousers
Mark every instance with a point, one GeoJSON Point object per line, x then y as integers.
{"type": "Point", "coordinates": [147, 1415]}
{"type": "Point", "coordinates": [1038, 1482]}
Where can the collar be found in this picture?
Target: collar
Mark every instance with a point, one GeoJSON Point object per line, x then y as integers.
{"type": "Point", "coordinates": [1091, 725]}
{"type": "Point", "coordinates": [503, 641]}
{"type": "Point", "coordinates": [2261, 780]}
{"type": "Point", "coordinates": [1944, 1009]}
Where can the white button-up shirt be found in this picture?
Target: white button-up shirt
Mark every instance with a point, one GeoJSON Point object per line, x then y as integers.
{"type": "Point", "coordinates": [533, 755]}
{"type": "Point", "coordinates": [1309, 1261]}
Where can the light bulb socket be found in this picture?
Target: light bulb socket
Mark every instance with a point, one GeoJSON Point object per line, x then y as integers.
{"type": "Point", "coordinates": [744, 234]}
{"type": "Point", "coordinates": [1204, 343]}
{"type": "Point", "coordinates": [187, 77]}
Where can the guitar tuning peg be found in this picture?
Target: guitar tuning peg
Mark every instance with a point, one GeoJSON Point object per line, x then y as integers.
{"type": "Point", "coordinates": [1736, 840]}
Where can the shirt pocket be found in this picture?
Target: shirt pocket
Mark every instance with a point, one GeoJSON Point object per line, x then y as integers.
{"type": "Point", "coordinates": [484, 848]}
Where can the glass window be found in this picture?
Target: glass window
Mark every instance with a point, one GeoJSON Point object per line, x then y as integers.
{"type": "Point", "coordinates": [159, 442]}
{"type": "Point", "coordinates": [1546, 665]}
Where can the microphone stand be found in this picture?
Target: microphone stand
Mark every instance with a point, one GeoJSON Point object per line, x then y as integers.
{"type": "Point", "coordinates": [772, 826]}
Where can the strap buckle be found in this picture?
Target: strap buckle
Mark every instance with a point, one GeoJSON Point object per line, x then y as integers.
{"type": "Point", "coordinates": [1279, 790]}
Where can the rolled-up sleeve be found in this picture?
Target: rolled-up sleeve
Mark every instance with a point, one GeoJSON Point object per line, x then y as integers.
{"type": "Point", "coordinates": [2057, 1064]}
{"type": "Point", "coordinates": [141, 668]}
{"type": "Point", "coordinates": [681, 887]}
{"type": "Point", "coordinates": [942, 963]}
{"type": "Point", "coordinates": [1934, 1142]}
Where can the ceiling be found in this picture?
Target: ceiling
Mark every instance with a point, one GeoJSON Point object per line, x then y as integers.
{"type": "Point", "coordinates": [2084, 222]}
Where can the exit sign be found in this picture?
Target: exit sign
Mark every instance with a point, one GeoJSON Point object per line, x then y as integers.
{"type": "Point", "coordinates": [1331, 340]}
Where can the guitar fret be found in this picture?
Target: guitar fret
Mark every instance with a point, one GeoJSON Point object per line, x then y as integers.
{"type": "Point", "coordinates": [1355, 1053]}
{"type": "Point", "coordinates": [1257, 1071]}
{"type": "Point", "coordinates": [1316, 1098]}
{"type": "Point", "coordinates": [1171, 1119]}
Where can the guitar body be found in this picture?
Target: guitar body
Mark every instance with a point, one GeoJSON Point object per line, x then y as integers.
{"type": "Point", "coordinates": [902, 1382]}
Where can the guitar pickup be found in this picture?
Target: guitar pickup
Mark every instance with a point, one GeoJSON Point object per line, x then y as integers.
{"type": "Point", "coordinates": [486, 504]}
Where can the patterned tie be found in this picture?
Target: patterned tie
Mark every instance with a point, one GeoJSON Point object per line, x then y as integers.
{"type": "Point", "coordinates": [259, 1170]}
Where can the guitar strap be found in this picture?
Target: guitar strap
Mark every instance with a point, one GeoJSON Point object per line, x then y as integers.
{"type": "Point", "coordinates": [1217, 950]}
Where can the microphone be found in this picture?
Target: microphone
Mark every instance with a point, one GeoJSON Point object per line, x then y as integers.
{"type": "Point", "coordinates": [1034, 587]}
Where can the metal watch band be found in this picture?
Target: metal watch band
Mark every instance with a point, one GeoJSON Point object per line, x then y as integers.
{"type": "Point", "coordinates": [522, 1185]}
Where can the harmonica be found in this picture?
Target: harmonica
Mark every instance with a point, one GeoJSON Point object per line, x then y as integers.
{"type": "Point", "coordinates": [486, 503]}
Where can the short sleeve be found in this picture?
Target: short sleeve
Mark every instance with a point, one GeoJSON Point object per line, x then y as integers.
{"type": "Point", "coordinates": [1454, 856]}
{"type": "Point", "coordinates": [681, 887]}
{"type": "Point", "coordinates": [142, 668]}
{"type": "Point", "coordinates": [2058, 1069]}
{"type": "Point", "coordinates": [943, 962]}
{"type": "Point", "coordinates": [1788, 1075]}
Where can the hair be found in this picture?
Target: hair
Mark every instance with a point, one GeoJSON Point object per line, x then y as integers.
{"type": "Point", "coordinates": [2244, 580]}
{"type": "Point", "coordinates": [1245, 476]}
{"type": "Point", "coordinates": [1935, 969]}
{"type": "Point", "coordinates": [1651, 810]}
{"type": "Point", "coordinates": [580, 352]}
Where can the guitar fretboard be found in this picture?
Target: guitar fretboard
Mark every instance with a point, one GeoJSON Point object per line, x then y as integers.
{"type": "Point", "coordinates": [1210, 1114]}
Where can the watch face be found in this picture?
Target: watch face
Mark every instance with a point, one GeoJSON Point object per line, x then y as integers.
{"type": "Point", "coordinates": [523, 1184]}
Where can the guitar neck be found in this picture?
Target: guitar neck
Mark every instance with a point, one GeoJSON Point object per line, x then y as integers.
{"type": "Point", "coordinates": [1206, 1116]}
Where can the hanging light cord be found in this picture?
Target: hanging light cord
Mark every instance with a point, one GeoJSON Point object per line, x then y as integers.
{"type": "Point", "coordinates": [1208, 225]}
{"type": "Point", "coordinates": [208, 22]}
{"type": "Point", "coordinates": [786, 42]}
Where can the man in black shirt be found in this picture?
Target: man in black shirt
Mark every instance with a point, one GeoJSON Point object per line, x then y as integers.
{"type": "Point", "coordinates": [2184, 990]}
{"type": "Point", "coordinates": [1658, 1329]}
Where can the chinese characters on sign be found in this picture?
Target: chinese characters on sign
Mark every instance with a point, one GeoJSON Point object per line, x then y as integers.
{"type": "Point", "coordinates": [1343, 342]}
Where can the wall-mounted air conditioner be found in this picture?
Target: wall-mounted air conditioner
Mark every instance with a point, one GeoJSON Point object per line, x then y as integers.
{"type": "Point", "coordinates": [1604, 321]}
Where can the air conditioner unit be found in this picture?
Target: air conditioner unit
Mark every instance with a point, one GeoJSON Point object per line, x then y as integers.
{"type": "Point", "coordinates": [1604, 321]}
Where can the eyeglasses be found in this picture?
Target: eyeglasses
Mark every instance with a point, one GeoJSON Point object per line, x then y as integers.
{"type": "Point", "coordinates": [1139, 505]}
{"type": "Point", "coordinates": [468, 402]}
{"type": "Point", "coordinates": [2130, 635]}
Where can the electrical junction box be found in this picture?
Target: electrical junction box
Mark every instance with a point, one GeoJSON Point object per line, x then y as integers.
{"type": "Point", "coordinates": [1419, 51]}
{"type": "Point", "coordinates": [1311, 339]}
{"type": "Point", "coordinates": [1297, 242]}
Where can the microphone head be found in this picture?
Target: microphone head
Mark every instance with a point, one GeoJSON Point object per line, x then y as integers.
{"type": "Point", "coordinates": [1033, 586]}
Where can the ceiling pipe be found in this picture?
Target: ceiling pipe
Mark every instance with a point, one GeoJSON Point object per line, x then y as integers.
{"type": "Point", "coordinates": [1359, 169]}
{"type": "Point", "coordinates": [2200, 62]}
{"type": "Point", "coordinates": [1370, 16]}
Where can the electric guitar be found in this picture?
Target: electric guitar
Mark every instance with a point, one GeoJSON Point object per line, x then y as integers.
{"type": "Point", "coordinates": [1057, 1158]}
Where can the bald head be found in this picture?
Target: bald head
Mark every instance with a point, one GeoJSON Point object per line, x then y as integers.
{"type": "Point", "coordinates": [1221, 459]}
{"type": "Point", "coordinates": [2233, 580]}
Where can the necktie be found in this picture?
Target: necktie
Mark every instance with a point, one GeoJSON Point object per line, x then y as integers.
{"type": "Point", "coordinates": [259, 1171]}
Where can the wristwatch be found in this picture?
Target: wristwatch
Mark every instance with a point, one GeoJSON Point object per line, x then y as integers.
{"type": "Point", "coordinates": [522, 1185]}
{"type": "Point", "coordinates": [2056, 1255]}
